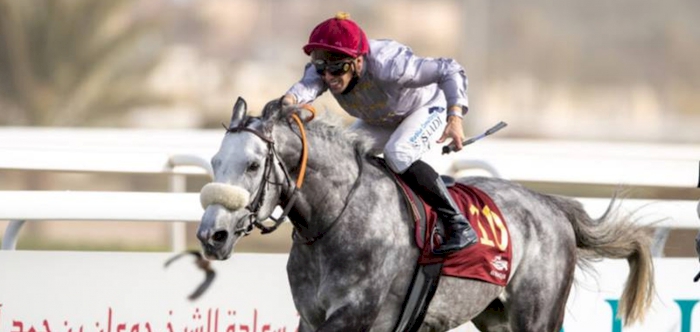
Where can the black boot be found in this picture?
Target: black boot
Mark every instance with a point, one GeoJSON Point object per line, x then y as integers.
{"type": "Point", "coordinates": [459, 234]}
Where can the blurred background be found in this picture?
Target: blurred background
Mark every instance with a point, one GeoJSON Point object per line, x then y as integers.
{"type": "Point", "coordinates": [600, 70]}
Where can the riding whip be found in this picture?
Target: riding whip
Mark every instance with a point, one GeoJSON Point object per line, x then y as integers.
{"type": "Point", "coordinates": [450, 148]}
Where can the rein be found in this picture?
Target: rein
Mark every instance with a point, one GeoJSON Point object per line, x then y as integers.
{"type": "Point", "coordinates": [302, 172]}
{"type": "Point", "coordinates": [298, 238]}
{"type": "Point", "coordinates": [304, 144]}
{"type": "Point", "coordinates": [300, 180]}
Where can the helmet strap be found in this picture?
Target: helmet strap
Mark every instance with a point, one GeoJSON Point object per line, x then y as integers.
{"type": "Point", "coordinates": [353, 80]}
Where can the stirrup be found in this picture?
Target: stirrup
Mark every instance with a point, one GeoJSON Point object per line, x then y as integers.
{"type": "Point", "coordinates": [472, 239]}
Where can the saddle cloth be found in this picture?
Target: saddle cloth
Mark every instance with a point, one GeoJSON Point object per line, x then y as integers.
{"type": "Point", "coordinates": [489, 259]}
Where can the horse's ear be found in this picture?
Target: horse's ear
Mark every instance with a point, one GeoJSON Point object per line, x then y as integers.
{"type": "Point", "coordinates": [271, 108]}
{"type": "Point", "coordinates": [239, 112]}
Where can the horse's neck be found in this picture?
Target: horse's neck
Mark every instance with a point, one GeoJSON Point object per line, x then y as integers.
{"type": "Point", "coordinates": [330, 175]}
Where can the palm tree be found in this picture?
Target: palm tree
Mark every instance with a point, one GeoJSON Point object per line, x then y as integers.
{"type": "Point", "coordinates": [70, 63]}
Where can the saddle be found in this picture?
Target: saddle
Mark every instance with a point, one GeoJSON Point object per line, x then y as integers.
{"type": "Point", "coordinates": [425, 276]}
{"type": "Point", "coordinates": [488, 260]}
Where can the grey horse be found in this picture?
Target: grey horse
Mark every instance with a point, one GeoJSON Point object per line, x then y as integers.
{"type": "Point", "coordinates": [353, 255]}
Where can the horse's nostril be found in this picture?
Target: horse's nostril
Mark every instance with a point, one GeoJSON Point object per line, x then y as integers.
{"type": "Point", "coordinates": [220, 236]}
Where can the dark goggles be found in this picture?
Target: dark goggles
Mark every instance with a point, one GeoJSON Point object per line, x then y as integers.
{"type": "Point", "coordinates": [335, 68]}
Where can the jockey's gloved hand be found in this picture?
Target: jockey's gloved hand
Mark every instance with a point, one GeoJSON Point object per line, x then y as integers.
{"type": "Point", "coordinates": [305, 112]}
{"type": "Point", "coordinates": [288, 100]}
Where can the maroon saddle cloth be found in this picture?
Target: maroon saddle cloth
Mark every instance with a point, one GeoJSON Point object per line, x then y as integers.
{"type": "Point", "coordinates": [489, 259]}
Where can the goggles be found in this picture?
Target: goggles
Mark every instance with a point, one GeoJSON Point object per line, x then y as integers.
{"type": "Point", "coordinates": [335, 68]}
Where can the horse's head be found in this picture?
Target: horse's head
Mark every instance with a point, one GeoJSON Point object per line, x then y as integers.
{"type": "Point", "coordinates": [248, 181]}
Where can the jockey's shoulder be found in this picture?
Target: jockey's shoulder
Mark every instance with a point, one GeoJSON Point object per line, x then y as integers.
{"type": "Point", "coordinates": [382, 47]}
{"type": "Point", "coordinates": [386, 54]}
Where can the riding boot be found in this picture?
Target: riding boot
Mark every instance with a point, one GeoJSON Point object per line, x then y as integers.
{"type": "Point", "coordinates": [459, 234]}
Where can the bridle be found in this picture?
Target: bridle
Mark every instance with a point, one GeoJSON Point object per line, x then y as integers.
{"type": "Point", "coordinates": [257, 200]}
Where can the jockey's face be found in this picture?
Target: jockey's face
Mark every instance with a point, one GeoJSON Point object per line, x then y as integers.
{"type": "Point", "coordinates": [336, 70]}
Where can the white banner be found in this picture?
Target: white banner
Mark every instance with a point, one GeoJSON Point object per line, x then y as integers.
{"type": "Point", "coordinates": [133, 292]}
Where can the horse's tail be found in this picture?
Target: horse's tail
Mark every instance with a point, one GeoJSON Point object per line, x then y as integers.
{"type": "Point", "coordinates": [611, 236]}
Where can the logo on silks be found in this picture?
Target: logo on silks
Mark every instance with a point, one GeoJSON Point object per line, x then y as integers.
{"type": "Point", "coordinates": [421, 138]}
{"type": "Point", "coordinates": [435, 109]}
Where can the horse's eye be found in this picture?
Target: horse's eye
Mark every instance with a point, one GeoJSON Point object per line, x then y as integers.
{"type": "Point", "coordinates": [252, 167]}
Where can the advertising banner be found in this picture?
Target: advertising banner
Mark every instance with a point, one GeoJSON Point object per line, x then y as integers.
{"type": "Point", "coordinates": [133, 292]}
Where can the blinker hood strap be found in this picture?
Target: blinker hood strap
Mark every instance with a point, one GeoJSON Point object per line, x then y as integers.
{"type": "Point", "coordinates": [353, 81]}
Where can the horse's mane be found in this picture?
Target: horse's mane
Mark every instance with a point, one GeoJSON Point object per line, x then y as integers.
{"type": "Point", "coordinates": [324, 126]}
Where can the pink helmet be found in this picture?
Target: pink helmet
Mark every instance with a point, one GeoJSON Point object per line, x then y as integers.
{"type": "Point", "coordinates": [338, 34]}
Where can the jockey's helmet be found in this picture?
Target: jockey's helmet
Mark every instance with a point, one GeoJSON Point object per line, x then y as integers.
{"type": "Point", "coordinates": [338, 34]}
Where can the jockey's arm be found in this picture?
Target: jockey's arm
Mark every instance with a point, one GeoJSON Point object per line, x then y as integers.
{"type": "Point", "coordinates": [307, 89]}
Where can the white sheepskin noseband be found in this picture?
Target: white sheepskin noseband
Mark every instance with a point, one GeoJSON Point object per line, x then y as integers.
{"type": "Point", "coordinates": [231, 197]}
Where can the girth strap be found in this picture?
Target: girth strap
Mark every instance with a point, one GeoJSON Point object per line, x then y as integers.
{"type": "Point", "coordinates": [415, 304]}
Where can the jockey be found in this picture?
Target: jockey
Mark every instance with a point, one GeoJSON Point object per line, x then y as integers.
{"type": "Point", "coordinates": [399, 99]}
